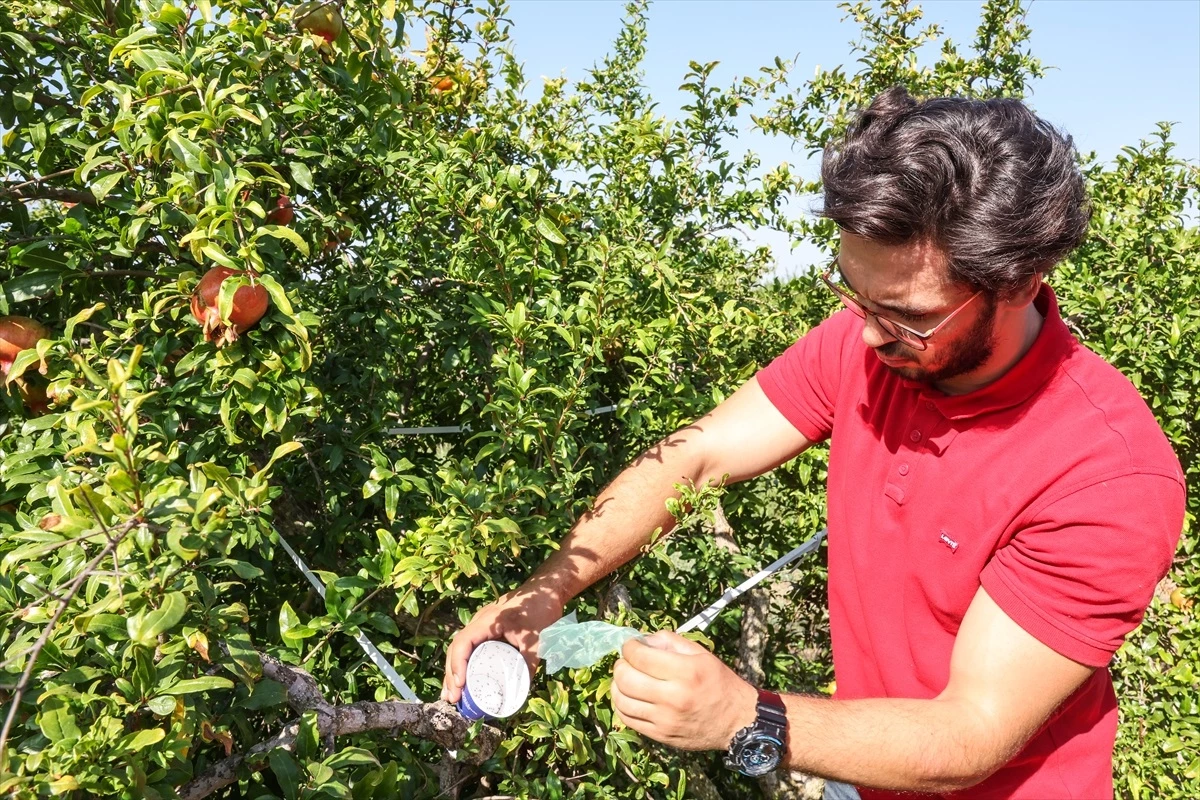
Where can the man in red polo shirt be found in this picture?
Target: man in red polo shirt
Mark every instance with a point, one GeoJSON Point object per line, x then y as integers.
{"type": "Point", "coordinates": [1001, 501]}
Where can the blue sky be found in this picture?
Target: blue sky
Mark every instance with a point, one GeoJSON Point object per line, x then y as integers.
{"type": "Point", "coordinates": [1118, 66]}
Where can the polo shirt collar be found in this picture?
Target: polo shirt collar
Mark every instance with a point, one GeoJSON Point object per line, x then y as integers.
{"type": "Point", "coordinates": [1052, 346]}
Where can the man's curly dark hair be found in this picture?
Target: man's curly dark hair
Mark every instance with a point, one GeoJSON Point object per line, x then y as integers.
{"type": "Point", "coordinates": [996, 188]}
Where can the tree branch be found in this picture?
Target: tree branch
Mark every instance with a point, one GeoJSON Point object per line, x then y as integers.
{"type": "Point", "coordinates": [753, 639]}
{"type": "Point", "coordinates": [38, 192]}
{"type": "Point", "coordinates": [437, 722]}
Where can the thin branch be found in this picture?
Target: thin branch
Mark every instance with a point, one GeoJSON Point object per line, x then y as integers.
{"type": "Point", "coordinates": [49, 100]}
{"type": "Point", "coordinates": [36, 650]}
{"type": "Point", "coordinates": [62, 173]}
{"type": "Point", "coordinates": [115, 273]}
{"type": "Point", "coordinates": [46, 38]}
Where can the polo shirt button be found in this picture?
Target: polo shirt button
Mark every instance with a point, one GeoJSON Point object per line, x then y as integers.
{"type": "Point", "coordinates": [929, 404]}
{"type": "Point", "coordinates": [915, 436]}
{"type": "Point", "coordinates": [904, 469]}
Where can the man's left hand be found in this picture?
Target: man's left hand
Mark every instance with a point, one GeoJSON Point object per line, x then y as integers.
{"type": "Point", "coordinates": [676, 692]}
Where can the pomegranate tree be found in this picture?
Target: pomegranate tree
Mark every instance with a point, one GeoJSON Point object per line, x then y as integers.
{"type": "Point", "coordinates": [249, 305]}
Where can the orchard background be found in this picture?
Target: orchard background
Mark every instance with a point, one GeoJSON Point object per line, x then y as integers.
{"type": "Point", "coordinates": [437, 250]}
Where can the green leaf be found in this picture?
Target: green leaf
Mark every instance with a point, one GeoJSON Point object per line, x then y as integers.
{"type": "Point", "coordinates": [243, 658]}
{"type": "Point", "coordinates": [105, 184]}
{"type": "Point", "coordinates": [245, 570]}
{"type": "Point", "coordinates": [283, 232]}
{"type": "Point", "coordinates": [267, 694]}
{"type": "Point", "coordinates": [91, 93]}
{"type": "Point", "coordinates": [22, 362]}
{"type": "Point", "coordinates": [62, 785]}
{"type": "Point", "coordinates": [207, 683]}
{"type": "Point", "coordinates": [56, 720]}
{"type": "Point", "coordinates": [280, 451]}
{"type": "Point", "coordinates": [185, 152]}
{"type": "Point", "coordinates": [82, 316]}
{"type": "Point", "coordinates": [39, 255]}
{"type": "Point", "coordinates": [110, 626]}
{"type": "Point", "coordinates": [32, 285]}
{"type": "Point", "coordinates": [550, 231]}
{"type": "Point", "coordinates": [163, 705]}
{"type": "Point", "coordinates": [127, 44]}
{"type": "Point", "coordinates": [143, 738]}
{"type": "Point", "coordinates": [302, 175]}
{"type": "Point", "coordinates": [144, 627]}
{"type": "Point", "coordinates": [278, 297]}
{"type": "Point", "coordinates": [215, 253]}
{"type": "Point", "coordinates": [175, 542]}
{"type": "Point", "coordinates": [20, 41]}
{"type": "Point", "coordinates": [194, 357]}
{"type": "Point", "coordinates": [287, 772]}
{"type": "Point", "coordinates": [308, 736]}
{"type": "Point", "coordinates": [351, 757]}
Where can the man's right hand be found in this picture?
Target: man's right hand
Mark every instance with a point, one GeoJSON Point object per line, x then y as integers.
{"type": "Point", "coordinates": [517, 618]}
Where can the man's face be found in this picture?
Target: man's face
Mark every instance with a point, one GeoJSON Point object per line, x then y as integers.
{"type": "Point", "coordinates": [909, 284]}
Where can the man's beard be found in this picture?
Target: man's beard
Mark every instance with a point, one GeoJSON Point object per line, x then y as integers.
{"type": "Point", "coordinates": [970, 352]}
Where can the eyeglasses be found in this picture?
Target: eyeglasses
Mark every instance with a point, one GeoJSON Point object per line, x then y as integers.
{"type": "Point", "coordinates": [913, 338]}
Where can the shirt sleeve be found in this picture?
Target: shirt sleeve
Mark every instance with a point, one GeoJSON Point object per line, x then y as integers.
{"type": "Point", "coordinates": [803, 382]}
{"type": "Point", "coordinates": [1079, 575]}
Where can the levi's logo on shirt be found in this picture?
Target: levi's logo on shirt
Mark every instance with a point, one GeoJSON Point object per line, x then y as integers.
{"type": "Point", "coordinates": [946, 540]}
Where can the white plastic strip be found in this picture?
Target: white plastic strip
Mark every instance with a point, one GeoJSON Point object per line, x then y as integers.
{"type": "Point", "coordinates": [366, 644]}
{"type": "Point", "coordinates": [591, 412]}
{"type": "Point", "coordinates": [701, 620]}
{"type": "Point", "coordinates": [423, 431]}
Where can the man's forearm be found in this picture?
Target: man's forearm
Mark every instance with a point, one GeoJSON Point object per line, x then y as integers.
{"type": "Point", "coordinates": [622, 518]}
{"type": "Point", "coordinates": [897, 744]}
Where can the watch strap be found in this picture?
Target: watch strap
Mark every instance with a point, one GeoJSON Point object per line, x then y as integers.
{"type": "Point", "coordinates": [772, 714]}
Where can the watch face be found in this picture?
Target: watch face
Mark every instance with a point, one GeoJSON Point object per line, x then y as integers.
{"type": "Point", "coordinates": [759, 755]}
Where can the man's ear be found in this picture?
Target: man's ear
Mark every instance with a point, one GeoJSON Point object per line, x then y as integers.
{"type": "Point", "coordinates": [1026, 294]}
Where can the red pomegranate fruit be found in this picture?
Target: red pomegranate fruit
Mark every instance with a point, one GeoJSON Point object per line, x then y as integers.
{"type": "Point", "coordinates": [282, 213]}
{"type": "Point", "coordinates": [249, 306]}
{"type": "Point", "coordinates": [17, 334]}
{"type": "Point", "coordinates": [320, 19]}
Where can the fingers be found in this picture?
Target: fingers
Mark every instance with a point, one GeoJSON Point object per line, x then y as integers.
{"type": "Point", "coordinates": [658, 660]}
{"type": "Point", "coordinates": [456, 666]}
{"type": "Point", "coordinates": [636, 684]}
{"type": "Point", "coordinates": [635, 713]}
{"type": "Point", "coordinates": [673, 642]}
{"type": "Point", "coordinates": [527, 643]}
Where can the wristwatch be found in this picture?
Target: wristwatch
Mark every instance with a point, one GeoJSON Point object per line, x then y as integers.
{"type": "Point", "coordinates": [758, 748]}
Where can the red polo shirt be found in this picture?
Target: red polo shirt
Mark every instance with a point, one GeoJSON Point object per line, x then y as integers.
{"type": "Point", "coordinates": [1053, 487]}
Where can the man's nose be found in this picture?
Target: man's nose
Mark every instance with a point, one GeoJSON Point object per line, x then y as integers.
{"type": "Point", "coordinates": [873, 334]}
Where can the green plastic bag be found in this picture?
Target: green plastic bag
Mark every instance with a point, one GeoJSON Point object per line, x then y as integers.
{"type": "Point", "coordinates": [571, 643]}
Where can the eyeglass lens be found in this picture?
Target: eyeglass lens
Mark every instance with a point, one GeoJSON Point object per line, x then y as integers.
{"type": "Point", "coordinates": [891, 328]}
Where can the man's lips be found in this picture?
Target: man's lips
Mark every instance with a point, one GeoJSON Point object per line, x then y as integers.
{"type": "Point", "coordinates": [893, 362]}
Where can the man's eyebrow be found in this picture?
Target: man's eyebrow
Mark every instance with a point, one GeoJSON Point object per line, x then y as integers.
{"type": "Point", "coordinates": [895, 308]}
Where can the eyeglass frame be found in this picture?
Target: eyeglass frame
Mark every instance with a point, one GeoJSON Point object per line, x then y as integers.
{"type": "Point", "coordinates": [919, 340]}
